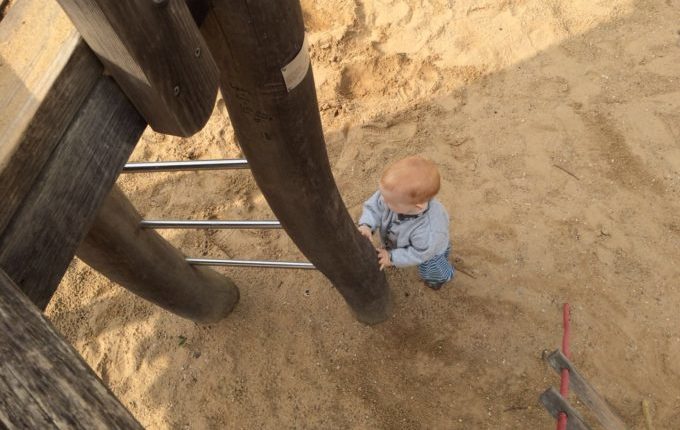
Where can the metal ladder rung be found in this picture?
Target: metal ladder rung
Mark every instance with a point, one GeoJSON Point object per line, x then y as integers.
{"type": "Point", "coordinates": [216, 224]}
{"type": "Point", "coordinates": [178, 166]}
{"type": "Point", "coordinates": [250, 263]}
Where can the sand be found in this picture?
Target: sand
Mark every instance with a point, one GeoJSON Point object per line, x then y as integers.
{"type": "Point", "coordinates": [556, 124]}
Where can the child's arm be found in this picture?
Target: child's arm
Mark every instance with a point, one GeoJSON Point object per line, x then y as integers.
{"type": "Point", "coordinates": [372, 214]}
{"type": "Point", "coordinates": [424, 244]}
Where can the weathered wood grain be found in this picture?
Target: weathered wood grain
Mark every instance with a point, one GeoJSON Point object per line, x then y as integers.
{"type": "Point", "coordinates": [280, 133]}
{"type": "Point", "coordinates": [45, 76]}
{"type": "Point", "coordinates": [588, 395]}
{"type": "Point", "coordinates": [41, 239]}
{"type": "Point", "coordinates": [44, 383]}
{"type": "Point", "coordinates": [155, 52]}
{"type": "Point", "coordinates": [144, 263]}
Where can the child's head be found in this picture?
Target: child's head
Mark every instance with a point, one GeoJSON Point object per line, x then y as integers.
{"type": "Point", "coordinates": [408, 184]}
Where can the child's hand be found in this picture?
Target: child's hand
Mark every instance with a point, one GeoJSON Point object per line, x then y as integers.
{"type": "Point", "coordinates": [366, 232]}
{"type": "Point", "coordinates": [383, 258]}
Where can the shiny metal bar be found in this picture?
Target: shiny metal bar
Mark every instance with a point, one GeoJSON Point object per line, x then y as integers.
{"type": "Point", "coordinates": [178, 166]}
{"type": "Point", "coordinates": [250, 263]}
{"type": "Point", "coordinates": [216, 224]}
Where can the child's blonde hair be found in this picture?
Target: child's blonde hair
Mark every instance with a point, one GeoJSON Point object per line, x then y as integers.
{"type": "Point", "coordinates": [415, 176]}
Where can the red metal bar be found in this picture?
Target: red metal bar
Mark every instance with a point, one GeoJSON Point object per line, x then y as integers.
{"type": "Point", "coordinates": [564, 381]}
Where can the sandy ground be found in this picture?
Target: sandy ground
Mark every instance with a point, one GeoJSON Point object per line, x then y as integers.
{"type": "Point", "coordinates": [507, 96]}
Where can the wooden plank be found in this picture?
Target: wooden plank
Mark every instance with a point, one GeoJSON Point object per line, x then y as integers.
{"type": "Point", "coordinates": [586, 392]}
{"type": "Point", "coordinates": [554, 403]}
{"type": "Point", "coordinates": [44, 383]}
{"type": "Point", "coordinates": [41, 239]}
{"type": "Point", "coordinates": [280, 133]}
{"type": "Point", "coordinates": [144, 263]}
{"type": "Point", "coordinates": [45, 76]}
{"type": "Point", "coordinates": [155, 52]}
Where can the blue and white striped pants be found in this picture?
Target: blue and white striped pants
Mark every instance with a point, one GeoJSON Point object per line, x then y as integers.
{"type": "Point", "coordinates": [438, 268]}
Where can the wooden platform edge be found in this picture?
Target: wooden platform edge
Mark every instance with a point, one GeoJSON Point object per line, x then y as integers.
{"type": "Point", "coordinates": [44, 383]}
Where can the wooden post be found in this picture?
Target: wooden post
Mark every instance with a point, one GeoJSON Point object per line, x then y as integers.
{"type": "Point", "coordinates": [278, 126]}
{"type": "Point", "coordinates": [155, 52]}
{"type": "Point", "coordinates": [147, 265]}
{"type": "Point", "coordinates": [44, 383]}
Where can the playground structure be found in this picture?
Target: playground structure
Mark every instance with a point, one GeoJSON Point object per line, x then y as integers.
{"type": "Point", "coordinates": [72, 111]}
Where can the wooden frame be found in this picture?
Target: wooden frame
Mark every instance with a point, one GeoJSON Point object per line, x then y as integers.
{"type": "Point", "coordinates": [58, 171]}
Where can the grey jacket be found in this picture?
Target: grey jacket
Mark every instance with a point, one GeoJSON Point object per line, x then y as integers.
{"type": "Point", "coordinates": [411, 240]}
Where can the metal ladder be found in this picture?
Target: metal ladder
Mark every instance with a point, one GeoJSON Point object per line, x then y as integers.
{"type": "Point", "coordinates": [198, 165]}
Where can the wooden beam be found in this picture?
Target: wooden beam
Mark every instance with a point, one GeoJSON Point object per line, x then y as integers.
{"type": "Point", "coordinates": [144, 263]}
{"type": "Point", "coordinates": [45, 75]}
{"type": "Point", "coordinates": [586, 392]}
{"type": "Point", "coordinates": [278, 126]}
{"type": "Point", "coordinates": [554, 403]}
{"type": "Point", "coordinates": [40, 240]}
{"type": "Point", "coordinates": [64, 157]}
{"type": "Point", "coordinates": [44, 383]}
{"type": "Point", "coordinates": [155, 52]}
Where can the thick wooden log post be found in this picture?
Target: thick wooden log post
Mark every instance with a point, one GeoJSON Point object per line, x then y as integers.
{"type": "Point", "coordinates": [144, 263]}
{"type": "Point", "coordinates": [278, 126]}
{"type": "Point", "coordinates": [44, 383]}
{"type": "Point", "coordinates": [155, 52]}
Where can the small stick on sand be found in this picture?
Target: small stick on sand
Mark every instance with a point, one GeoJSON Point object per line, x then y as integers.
{"type": "Point", "coordinates": [647, 414]}
{"type": "Point", "coordinates": [567, 172]}
{"type": "Point", "coordinates": [466, 273]}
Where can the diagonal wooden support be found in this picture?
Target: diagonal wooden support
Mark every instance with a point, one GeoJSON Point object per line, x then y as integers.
{"type": "Point", "coordinates": [554, 403]}
{"type": "Point", "coordinates": [44, 383]}
{"type": "Point", "coordinates": [586, 392]}
{"type": "Point", "coordinates": [268, 87]}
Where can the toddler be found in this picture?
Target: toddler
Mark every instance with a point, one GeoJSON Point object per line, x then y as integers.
{"type": "Point", "coordinates": [413, 225]}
